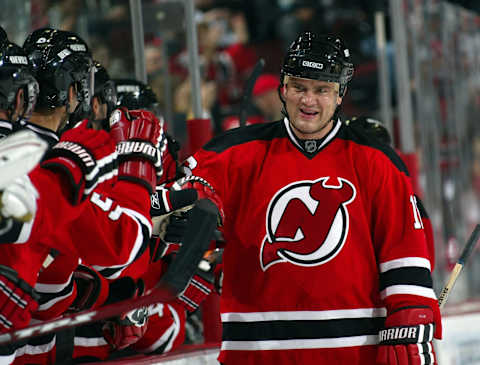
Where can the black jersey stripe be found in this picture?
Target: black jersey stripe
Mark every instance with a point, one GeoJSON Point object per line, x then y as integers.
{"type": "Point", "coordinates": [47, 297]}
{"type": "Point", "coordinates": [288, 330]}
{"type": "Point", "coordinates": [406, 276]}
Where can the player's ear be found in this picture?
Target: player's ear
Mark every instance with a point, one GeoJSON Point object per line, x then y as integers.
{"type": "Point", "coordinates": [20, 102]}
{"type": "Point", "coordinates": [95, 106]}
{"type": "Point", "coordinates": [340, 98]}
{"type": "Point", "coordinates": [72, 98]}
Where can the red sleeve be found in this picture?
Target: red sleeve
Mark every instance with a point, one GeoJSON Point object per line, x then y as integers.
{"type": "Point", "coordinates": [399, 239]}
{"type": "Point", "coordinates": [56, 286]}
{"type": "Point", "coordinates": [54, 212]}
{"type": "Point", "coordinates": [114, 229]}
{"type": "Point", "coordinates": [166, 329]}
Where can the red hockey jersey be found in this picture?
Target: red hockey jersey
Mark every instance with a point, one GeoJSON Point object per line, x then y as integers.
{"type": "Point", "coordinates": [320, 245]}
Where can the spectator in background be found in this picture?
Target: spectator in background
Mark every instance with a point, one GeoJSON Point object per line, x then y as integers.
{"type": "Point", "coordinates": [226, 58]}
{"type": "Point", "coordinates": [266, 105]}
{"type": "Point", "coordinates": [265, 97]}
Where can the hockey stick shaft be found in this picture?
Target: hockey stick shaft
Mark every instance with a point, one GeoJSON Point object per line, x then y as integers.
{"type": "Point", "coordinates": [247, 92]}
{"type": "Point", "coordinates": [462, 260]}
{"type": "Point", "coordinates": [202, 223]}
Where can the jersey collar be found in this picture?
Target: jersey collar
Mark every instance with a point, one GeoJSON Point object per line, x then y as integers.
{"type": "Point", "coordinates": [312, 150]}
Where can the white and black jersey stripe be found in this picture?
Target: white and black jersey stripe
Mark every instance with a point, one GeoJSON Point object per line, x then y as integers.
{"type": "Point", "coordinates": [302, 329]}
{"type": "Point", "coordinates": [141, 243]}
{"type": "Point", "coordinates": [407, 275]}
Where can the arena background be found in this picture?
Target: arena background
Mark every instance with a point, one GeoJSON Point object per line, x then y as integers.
{"type": "Point", "coordinates": [418, 72]}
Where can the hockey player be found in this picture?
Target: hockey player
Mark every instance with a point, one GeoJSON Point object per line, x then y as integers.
{"type": "Point", "coordinates": [18, 87]}
{"type": "Point", "coordinates": [116, 217]}
{"type": "Point", "coordinates": [104, 99]}
{"type": "Point", "coordinates": [325, 260]}
{"type": "Point", "coordinates": [133, 94]}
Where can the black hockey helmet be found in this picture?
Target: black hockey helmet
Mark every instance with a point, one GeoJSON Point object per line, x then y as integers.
{"type": "Point", "coordinates": [60, 59]}
{"type": "Point", "coordinates": [134, 94]}
{"type": "Point", "coordinates": [3, 36]}
{"type": "Point", "coordinates": [16, 74]}
{"type": "Point", "coordinates": [321, 57]}
{"type": "Point", "coordinates": [104, 87]}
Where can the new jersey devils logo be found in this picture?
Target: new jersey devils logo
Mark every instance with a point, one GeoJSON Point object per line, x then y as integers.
{"type": "Point", "coordinates": [307, 222]}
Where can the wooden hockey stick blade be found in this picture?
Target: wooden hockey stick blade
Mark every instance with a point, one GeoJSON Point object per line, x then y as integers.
{"type": "Point", "coordinates": [19, 154]}
{"type": "Point", "coordinates": [462, 260]}
{"type": "Point", "coordinates": [202, 222]}
{"type": "Point", "coordinates": [247, 92]}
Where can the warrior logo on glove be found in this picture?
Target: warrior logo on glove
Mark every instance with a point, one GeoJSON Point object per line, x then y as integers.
{"type": "Point", "coordinates": [293, 222]}
{"type": "Point", "coordinates": [138, 317]}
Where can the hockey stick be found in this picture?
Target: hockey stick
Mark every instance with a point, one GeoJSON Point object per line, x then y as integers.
{"type": "Point", "coordinates": [462, 260]}
{"type": "Point", "coordinates": [202, 222]}
{"type": "Point", "coordinates": [247, 92]}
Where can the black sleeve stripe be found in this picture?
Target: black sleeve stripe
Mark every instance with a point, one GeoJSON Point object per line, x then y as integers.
{"type": "Point", "coordinates": [406, 276]}
{"type": "Point", "coordinates": [421, 208]}
{"type": "Point", "coordinates": [237, 136]}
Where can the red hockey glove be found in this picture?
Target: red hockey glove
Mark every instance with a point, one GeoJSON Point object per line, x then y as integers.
{"type": "Point", "coordinates": [18, 300]}
{"type": "Point", "coordinates": [130, 327]}
{"type": "Point", "coordinates": [140, 139]}
{"type": "Point", "coordinates": [204, 190]}
{"type": "Point", "coordinates": [407, 338]}
{"type": "Point", "coordinates": [92, 289]}
{"type": "Point", "coordinates": [86, 156]}
{"type": "Point", "coordinates": [127, 329]}
{"type": "Point", "coordinates": [199, 287]}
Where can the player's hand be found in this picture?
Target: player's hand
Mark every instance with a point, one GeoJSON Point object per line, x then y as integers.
{"type": "Point", "coordinates": [140, 139]}
{"type": "Point", "coordinates": [209, 276]}
{"type": "Point", "coordinates": [92, 289]}
{"type": "Point", "coordinates": [198, 289]}
{"type": "Point", "coordinates": [407, 338]}
{"type": "Point", "coordinates": [18, 300]}
{"type": "Point", "coordinates": [166, 201]}
{"type": "Point", "coordinates": [129, 327]}
{"type": "Point", "coordinates": [86, 157]}
{"type": "Point", "coordinates": [204, 191]}
{"type": "Point", "coordinates": [19, 200]}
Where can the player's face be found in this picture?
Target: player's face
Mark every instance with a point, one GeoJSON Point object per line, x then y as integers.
{"type": "Point", "coordinates": [310, 105]}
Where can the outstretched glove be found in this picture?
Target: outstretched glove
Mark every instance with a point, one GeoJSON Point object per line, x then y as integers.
{"type": "Point", "coordinates": [168, 228]}
{"type": "Point", "coordinates": [18, 300]}
{"type": "Point", "coordinates": [204, 191]}
{"type": "Point", "coordinates": [407, 338]}
{"type": "Point", "coordinates": [140, 140]}
{"type": "Point", "coordinates": [207, 278]}
{"type": "Point", "coordinates": [126, 329]}
{"type": "Point", "coordinates": [199, 287]}
{"type": "Point", "coordinates": [86, 157]}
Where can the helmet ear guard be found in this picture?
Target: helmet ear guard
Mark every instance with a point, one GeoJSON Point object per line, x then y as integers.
{"type": "Point", "coordinates": [16, 75]}
{"type": "Point", "coordinates": [104, 87]}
